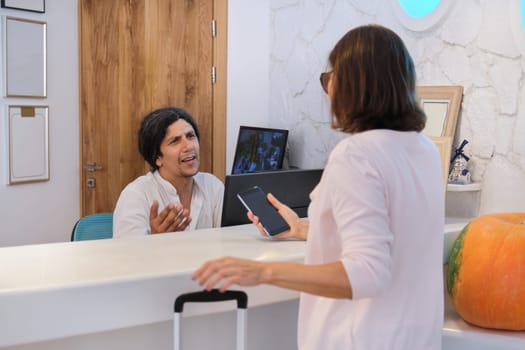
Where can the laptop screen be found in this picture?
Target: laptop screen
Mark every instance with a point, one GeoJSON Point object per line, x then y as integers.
{"type": "Point", "coordinates": [291, 187]}
{"type": "Point", "coordinates": [259, 149]}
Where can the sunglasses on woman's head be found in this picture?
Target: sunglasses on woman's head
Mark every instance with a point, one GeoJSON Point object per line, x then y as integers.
{"type": "Point", "coordinates": [325, 79]}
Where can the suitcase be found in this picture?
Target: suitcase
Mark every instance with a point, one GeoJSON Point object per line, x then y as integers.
{"type": "Point", "coordinates": [212, 296]}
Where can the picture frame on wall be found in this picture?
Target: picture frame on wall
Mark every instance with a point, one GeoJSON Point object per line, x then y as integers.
{"type": "Point", "coordinates": [28, 139]}
{"type": "Point", "coordinates": [444, 146]}
{"type": "Point", "coordinates": [25, 57]}
{"type": "Point", "coordinates": [25, 5]}
{"type": "Point", "coordinates": [441, 105]}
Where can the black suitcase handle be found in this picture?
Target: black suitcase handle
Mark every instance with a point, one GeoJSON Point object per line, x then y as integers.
{"type": "Point", "coordinates": [211, 296]}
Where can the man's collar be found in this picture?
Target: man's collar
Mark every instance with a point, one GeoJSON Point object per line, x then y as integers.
{"type": "Point", "coordinates": [197, 181]}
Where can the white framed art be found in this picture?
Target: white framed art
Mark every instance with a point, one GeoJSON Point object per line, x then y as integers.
{"type": "Point", "coordinates": [24, 57]}
{"type": "Point", "coordinates": [28, 140]}
{"type": "Point", "coordinates": [25, 5]}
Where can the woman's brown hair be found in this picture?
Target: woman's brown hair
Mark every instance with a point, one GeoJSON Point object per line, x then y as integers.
{"type": "Point", "coordinates": [373, 82]}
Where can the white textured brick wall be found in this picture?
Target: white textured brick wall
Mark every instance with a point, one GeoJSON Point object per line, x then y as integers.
{"type": "Point", "coordinates": [477, 44]}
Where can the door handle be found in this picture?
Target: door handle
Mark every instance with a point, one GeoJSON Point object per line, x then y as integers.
{"type": "Point", "coordinates": [92, 166]}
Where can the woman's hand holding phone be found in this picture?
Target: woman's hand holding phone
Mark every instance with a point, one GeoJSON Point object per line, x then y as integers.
{"type": "Point", "coordinates": [298, 228]}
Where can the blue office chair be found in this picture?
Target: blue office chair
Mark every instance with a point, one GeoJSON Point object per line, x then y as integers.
{"type": "Point", "coordinates": [94, 226]}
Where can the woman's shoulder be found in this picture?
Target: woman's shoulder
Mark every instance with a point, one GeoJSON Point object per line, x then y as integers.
{"type": "Point", "coordinates": [380, 144]}
{"type": "Point", "coordinates": [361, 142]}
{"type": "Point", "coordinates": [380, 139]}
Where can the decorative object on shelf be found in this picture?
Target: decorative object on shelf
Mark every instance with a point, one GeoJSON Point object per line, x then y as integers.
{"type": "Point", "coordinates": [25, 5]}
{"type": "Point", "coordinates": [485, 275]}
{"type": "Point", "coordinates": [25, 57]}
{"type": "Point", "coordinates": [458, 173]}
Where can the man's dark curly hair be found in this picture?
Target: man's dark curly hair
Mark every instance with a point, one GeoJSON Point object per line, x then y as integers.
{"type": "Point", "coordinates": [153, 130]}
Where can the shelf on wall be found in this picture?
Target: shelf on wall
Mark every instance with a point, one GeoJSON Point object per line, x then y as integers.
{"type": "Point", "coordinates": [475, 186]}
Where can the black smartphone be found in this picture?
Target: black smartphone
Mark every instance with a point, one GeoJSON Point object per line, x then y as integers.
{"type": "Point", "coordinates": [255, 201]}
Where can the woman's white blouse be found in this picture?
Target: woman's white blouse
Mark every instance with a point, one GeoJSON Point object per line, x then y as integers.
{"type": "Point", "coordinates": [379, 209]}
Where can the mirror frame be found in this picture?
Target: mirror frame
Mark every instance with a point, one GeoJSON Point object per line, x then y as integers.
{"type": "Point", "coordinates": [444, 146]}
{"type": "Point", "coordinates": [452, 93]}
{"type": "Point", "coordinates": [24, 54]}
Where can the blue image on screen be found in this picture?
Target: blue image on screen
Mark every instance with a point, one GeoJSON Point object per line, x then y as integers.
{"type": "Point", "coordinates": [259, 149]}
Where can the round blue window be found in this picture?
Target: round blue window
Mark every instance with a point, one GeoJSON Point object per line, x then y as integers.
{"type": "Point", "coordinates": [422, 8]}
{"type": "Point", "coordinates": [522, 10]}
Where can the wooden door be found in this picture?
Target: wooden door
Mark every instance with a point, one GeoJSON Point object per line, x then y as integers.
{"type": "Point", "coordinates": [136, 56]}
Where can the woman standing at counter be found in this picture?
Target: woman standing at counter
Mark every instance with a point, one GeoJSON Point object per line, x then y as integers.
{"type": "Point", "coordinates": [372, 277]}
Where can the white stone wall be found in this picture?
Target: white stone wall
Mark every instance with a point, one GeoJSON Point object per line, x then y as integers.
{"type": "Point", "coordinates": [479, 44]}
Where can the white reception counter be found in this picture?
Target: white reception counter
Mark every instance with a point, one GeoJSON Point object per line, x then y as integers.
{"type": "Point", "coordinates": [59, 290]}
{"type": "Point", "coordinates": [54, 291]}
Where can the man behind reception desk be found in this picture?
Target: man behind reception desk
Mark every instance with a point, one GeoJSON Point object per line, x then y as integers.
{"type": "Point", "coordinates": [372, 277]}
{"type": "Point", "coordinates": [174, 195]}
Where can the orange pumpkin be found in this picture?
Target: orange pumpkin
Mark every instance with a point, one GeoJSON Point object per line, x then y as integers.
{"type": "Point", "coordinates": [486, 272]}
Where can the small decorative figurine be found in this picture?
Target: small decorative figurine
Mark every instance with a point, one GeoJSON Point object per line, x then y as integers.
{"type": "Point", "coordinates": [458, 173]}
